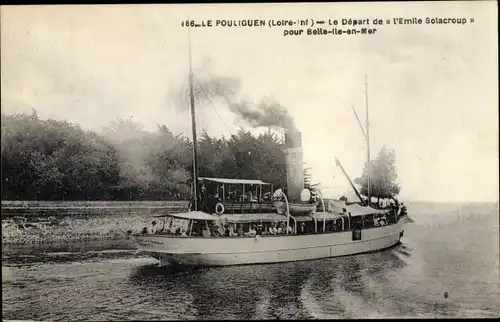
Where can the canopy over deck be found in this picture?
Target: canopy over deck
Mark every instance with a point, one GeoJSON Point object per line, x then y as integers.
{"type": "Point", "coordinates": [195, 215]}
{"type": "Point", "coordinates": [252, 218]}
{"type": "Point", "coordinates": [358, 210]}
{"type": "Point", "coordinates": [234, 181]}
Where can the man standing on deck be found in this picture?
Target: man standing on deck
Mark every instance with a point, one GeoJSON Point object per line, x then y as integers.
{"type": "Point", "coordinates": [153, 228]}
{"type": "Point", "coordinates": [278, 194]}
{"type": "Point", "coordinates": [203, 197]}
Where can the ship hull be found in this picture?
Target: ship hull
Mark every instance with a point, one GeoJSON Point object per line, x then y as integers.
{"type": "Point", "coordinates": [226, 251]}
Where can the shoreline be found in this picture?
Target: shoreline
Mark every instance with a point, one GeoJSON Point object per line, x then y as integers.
{"type": "Point", "coordinates": [69, 246]}
{"type": "Point", "coordinates": [12, 208]}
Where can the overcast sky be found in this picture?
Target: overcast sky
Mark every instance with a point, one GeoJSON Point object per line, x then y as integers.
{"type": "Point", "coordinates": [432, 89]}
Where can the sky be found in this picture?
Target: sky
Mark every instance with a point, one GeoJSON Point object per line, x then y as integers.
{"type": "Point", "coordinates": [432, 89]}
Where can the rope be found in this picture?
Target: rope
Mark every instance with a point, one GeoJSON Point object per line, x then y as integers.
{"type": "Point", "coordinates": [210, 101]}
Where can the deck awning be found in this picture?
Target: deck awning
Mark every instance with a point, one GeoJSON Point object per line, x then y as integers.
{"type": "Point", "coordinates": [234, 181]}
{"type": "Point", "coordinates": [245, 218]}
{"type": "Point", "coordinates": [358, 210]}
{"type": "Point", "coordinates": [195, 215]}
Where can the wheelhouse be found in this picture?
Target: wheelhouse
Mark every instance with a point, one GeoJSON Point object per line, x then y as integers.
{"type": "Point", "coordinates": [235, 196]}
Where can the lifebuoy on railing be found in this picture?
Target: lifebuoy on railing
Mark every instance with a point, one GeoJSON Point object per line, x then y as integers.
{"type": "Point", "coordinates": [219, 208]}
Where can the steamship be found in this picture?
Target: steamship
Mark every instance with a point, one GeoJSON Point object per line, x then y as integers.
{"type": "Point", "coordinates": [250, 223]}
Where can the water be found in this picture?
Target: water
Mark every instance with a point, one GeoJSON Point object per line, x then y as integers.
{"type": "Point", "coordinates": [449, 248]}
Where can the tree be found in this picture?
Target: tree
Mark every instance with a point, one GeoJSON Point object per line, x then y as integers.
{"type": "Point", "coordinates": [383, 176]}
{"type": "Point", "coordinates": [54, 160]}
{"type": "Point", "coordinates": [58, 160]}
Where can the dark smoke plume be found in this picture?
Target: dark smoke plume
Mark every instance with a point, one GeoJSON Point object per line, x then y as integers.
{"type": "Point", "coordinates": [267, 113]}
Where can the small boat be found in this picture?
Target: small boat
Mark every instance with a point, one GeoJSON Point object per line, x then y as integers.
{"type": "Point", "coordinates": [295, 208]}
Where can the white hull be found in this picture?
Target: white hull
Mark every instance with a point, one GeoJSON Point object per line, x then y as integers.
{"type": "Point", "coordinates": [224, 251]}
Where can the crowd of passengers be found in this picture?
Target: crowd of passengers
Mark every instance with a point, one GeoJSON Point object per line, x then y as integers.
{"type": "Point", "coordinates": [382, 204]}
{"type": "Point", "coordinates": [345, 223]}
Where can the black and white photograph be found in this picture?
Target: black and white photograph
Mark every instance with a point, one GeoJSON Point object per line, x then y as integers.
{"type": "Point", "coordinates": [250, 161]}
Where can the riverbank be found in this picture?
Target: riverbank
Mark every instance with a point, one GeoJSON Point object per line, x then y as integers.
{"type": "Point", "coordinates": [53, 222]}
{"type": "Point", "coordinates": [42, 230]}
{"type": "Point", "coordinates": [102, 244]}
{"type": "Point", "coordinates": [11, 208]}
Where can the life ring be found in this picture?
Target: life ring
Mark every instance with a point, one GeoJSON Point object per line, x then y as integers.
{"type": "Point", "coordinates": [219, 208]}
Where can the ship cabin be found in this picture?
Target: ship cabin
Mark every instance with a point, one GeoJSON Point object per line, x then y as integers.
{"type": "Point", "coordinates": [235, 196]}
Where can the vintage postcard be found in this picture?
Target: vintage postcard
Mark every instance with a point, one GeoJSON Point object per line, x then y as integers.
{"type": "Point", "coordinates": [250, 161]}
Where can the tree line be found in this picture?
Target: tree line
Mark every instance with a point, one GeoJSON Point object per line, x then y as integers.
{"type": "Point", "coordinates": [58, 160]}
{"type": "Point", "coordinates": [383, 176]}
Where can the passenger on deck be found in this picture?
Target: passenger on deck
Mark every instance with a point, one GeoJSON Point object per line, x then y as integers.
{"type": "Point", "coordinates": [278, 194]}
{"type": "Point", "coordinates": [227, 231]}
{"type": "Point", "coordinates": [153, 228]}
{"type": "Point", "coordinates": [252, 231]}
{"type": "Point", "coordinates": [214, 230]}
{"type": "Point", "coordinates": [197, 229]}
{"type": "Point", "coordinates": [314, 197]}
{"type": "Point", "coordinates": [259, 230]}
{"type": "Point", "coordinates": [290, 229]}
{"type": "Point", "coordinates": [162, 229]}
{"type": "Point", "coordinates": [338, 225]}
{"type": "Point", "coordinates": [204, 198]}
{"type": "Point", "coordinates": [272, 229]}
{"type": "Point", "coordinates": [205, 232]}
{"type": "Point", "coordinates": [302, 229]}
{"type": "Point", "coordinates": [279, 230]}
{"type": "Point", "coordinates": [233, 195]}
{"type": "Point", "coordinates": [240, 230]}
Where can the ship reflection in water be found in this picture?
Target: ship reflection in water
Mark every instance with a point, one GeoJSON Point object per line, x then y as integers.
{"type": "Point", "coordinates": [456, 253]}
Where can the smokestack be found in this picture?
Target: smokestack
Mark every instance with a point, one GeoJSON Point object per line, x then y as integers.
{"type": "Point", "coordinates": [294, 164]}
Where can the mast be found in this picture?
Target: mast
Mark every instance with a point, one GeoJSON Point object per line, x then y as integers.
{"type": "Point", "coordinates": [368, 142]}
{"type": "Point", "coordinates": [349, 179]}
{"type": "Point", "coordinates": [193, 127]}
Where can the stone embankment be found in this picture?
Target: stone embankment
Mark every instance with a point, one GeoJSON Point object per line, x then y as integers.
{"type": "Point", "coordinates": [59, 222]}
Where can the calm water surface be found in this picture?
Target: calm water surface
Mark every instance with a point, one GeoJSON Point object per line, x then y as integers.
{"type": "Point", "coordinates": [449, 248]}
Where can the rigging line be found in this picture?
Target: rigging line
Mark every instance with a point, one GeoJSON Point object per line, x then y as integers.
{"type": "Point", "coordinates": [227, 127]}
